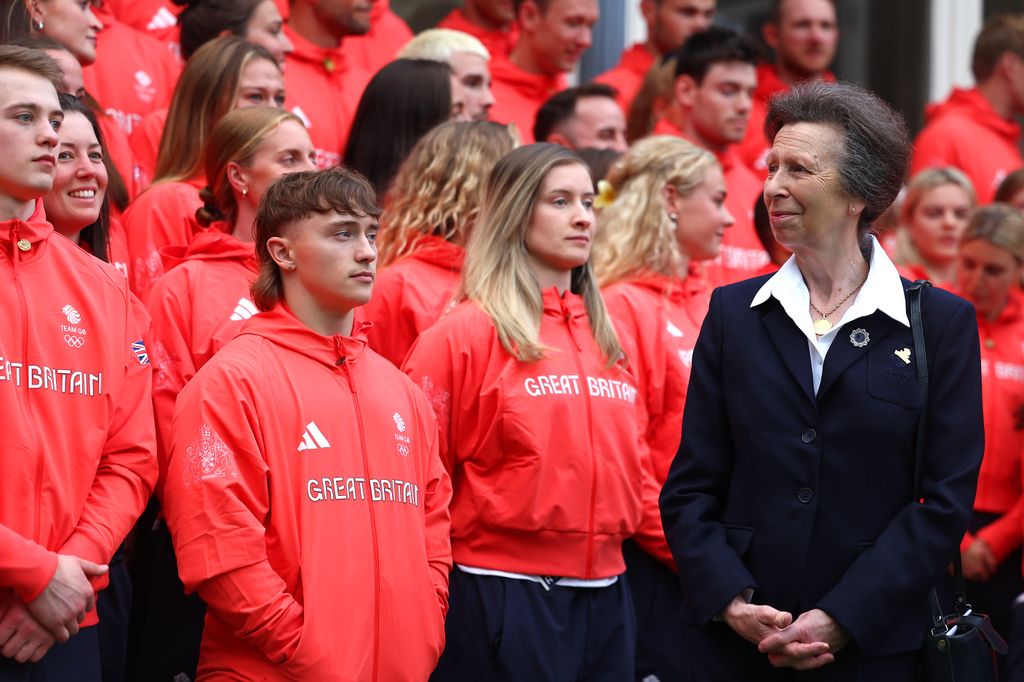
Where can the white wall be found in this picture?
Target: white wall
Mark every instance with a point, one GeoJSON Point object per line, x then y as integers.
{"type": "Point", "coordinates": [954, 25]}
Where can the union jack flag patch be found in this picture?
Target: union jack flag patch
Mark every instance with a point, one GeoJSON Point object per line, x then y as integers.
{"type": "Point", "coordinates": [139, 348]}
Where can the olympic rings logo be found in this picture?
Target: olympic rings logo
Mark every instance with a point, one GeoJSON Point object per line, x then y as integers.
{"type": "Point", "coordinates": [74, 341]}
{"type": "Point", "coordinates": [402, 449]}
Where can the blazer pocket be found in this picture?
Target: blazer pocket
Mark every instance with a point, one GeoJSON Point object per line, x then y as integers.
{"type": "Point", "coordinates": [738, 537]}
{"type": "Point", "coordinates": [893, 380]}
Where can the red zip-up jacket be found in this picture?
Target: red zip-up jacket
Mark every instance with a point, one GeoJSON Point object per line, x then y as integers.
{"type": "Point", "coordinates": [387, 35]}
{"type": "Point", "coordinates": [519, 94]}
{"type": "Point", "coordinates": [309, 509]}
{"type": "Point", "coordinates": [548, 457]}
{"type": "Point", "coordinates": [967, 133]}
{"type": "Point", "coordinates": [1002, 398]}
{"type": "Point", "coordinates": [77, 453]}
{"type": "Point", "coordinates": [675, 310]}
{"type": "Point", "coordinates": [410, 295]}
{"type": "Point", "coordinates": [158, 18]}
{"type": "Point", "coordinates": [163, 215]}
{"type": "Point", "coordinates": [134, 73]}
{"type": "Point", "coordinates": [145, 142]}
{"type": "Point", "coordinates": [197, 307]}
{"type": "Point", "coordinates": [498, 43]}
{"type": "Point", "coordinates": [324, 88]}
{"type": "Point", "coordinates": [627, 77]}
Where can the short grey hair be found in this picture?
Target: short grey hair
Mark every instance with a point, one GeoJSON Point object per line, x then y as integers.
{"type": "Point", "coordinates": [876, 145]}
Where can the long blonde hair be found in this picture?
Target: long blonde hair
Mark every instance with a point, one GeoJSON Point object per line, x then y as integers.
{"type": "Point", "coordinates": [438, 189]}
{"type": "Point", "coordinates": [206, 90]}
{"type": "Point", "coordinates": [906, 253]}
{"type": "Point", "coordinates": [636, 234]}
{"type": "Point", "coordinates": [497, 274]}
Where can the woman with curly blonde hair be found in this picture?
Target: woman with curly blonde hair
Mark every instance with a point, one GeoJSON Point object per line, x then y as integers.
{"type": "Point", "coordinates": [667, 213]}
{"type": "Point", "coordinates": [431, 209]}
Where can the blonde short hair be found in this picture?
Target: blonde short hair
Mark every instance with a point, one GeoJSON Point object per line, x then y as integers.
{"type": "Point", "coordinates": [439, 44]}
{"type": "Point", "coordinates": [1000, 225]}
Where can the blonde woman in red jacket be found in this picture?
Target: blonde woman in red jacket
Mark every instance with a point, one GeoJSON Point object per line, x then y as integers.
{"type": "Point", "coordinates": [989, 268]}
{"type": "Point", "coordinates": [541, 433]}
{"type": "Point", "coordinates": [305, 495]}
{"type": "Point", "coordinates": [667, 217]}
{"type": "Point", "coordinates": [431, 210]}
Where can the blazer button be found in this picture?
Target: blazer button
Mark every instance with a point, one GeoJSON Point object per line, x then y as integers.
{"type": "Point", "coordinates": [805, 495]}
{"type": "Point", "coordinates": [808, 436]}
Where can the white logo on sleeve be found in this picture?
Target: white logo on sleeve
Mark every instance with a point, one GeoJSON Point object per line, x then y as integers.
{"type": "Point", "coordinates": [164, 18]}
{"type": "Point", "coordinates": [313, 438]}
{"type": "Point", "coordinates": [399, 422]}
{"type": "Point", "coordinates": [244, 310]}
{"type": "Point", "coordinates": [674, 330]}
{"type": "Point", "coordinates": [73, 316]}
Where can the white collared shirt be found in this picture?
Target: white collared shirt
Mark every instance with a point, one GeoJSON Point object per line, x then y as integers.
{"type": "Point", "coordinates": [882, 290]}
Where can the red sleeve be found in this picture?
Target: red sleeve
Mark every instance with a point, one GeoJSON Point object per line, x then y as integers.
{"type": "Point", "coordinates": [393, 331]}
{"type": "Point", "coordinates": [173, 364]}
{"type": "Point", "coordinates": [25, 566]}
{"type": "Point", "coordinates": [216, 498]}
{"type": "Point", "coordinates": [429, 364]}
{"type": "Point", "coordinates": [932, 148]}
{"type": "Point", "coordinates": [1004, 534]}
{"type": "Point", "coordinates": [145, 143]}
{"type": "Point", "coordinates": [127, 469]}
{"type": "Point", "coordinates": [438, 520]}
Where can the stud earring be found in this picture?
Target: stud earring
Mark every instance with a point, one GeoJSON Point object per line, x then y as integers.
{"type": "Point", "coordinates": [674, 217]}
{"type": "Point", "coordinates": [38, 24]}
{"type": "Point", "coordinates": [245, 191]}
{"type": "Point", "coordinates": [853, 210]}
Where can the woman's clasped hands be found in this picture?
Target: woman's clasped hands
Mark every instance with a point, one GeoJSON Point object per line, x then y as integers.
{"type": "Point", "coordinates": [811, 641]}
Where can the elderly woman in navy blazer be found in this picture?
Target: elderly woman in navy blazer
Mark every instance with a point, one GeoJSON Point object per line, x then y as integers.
{"type": "Point", "coordinates": [789, 507]}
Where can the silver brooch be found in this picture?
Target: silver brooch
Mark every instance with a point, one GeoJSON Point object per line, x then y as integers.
{"type": "Point", "coordinates": [859, 337]}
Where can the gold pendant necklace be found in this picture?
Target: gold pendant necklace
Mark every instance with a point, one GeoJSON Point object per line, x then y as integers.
{"type": "Point", "coordinates": [823, 326]}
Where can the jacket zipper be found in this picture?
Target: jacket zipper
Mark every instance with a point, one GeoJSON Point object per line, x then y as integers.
{"type": "Point", "coordinates": [373, 520]}
{"type": "Point", "coordinates": [590, 434]}
{"type": "Point", "coordinates": [23, 304]}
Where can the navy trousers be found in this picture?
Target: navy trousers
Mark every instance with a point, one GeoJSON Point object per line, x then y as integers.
{"type": "Point", "coordinates": [516, 630]}
{"type": "Point", "coordinates": [76, 660]}
{"type": "Point", "coordinates": [657, 597]}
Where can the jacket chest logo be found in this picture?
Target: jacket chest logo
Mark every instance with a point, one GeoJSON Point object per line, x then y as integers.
{"type": "Point", "coordinates": [74, 334]}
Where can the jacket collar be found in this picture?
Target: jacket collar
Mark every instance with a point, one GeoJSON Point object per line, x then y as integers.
{"type": "Point", "coordinates": [971, 103]}
{"type": "Point", "coordinates": [439, 252]}
{"type": "Point", "coordinates": [567, 305]}
{"type": "Point", "coordinates": [282, 328]}
{"type": "Point", "coordinates": [31, 233]}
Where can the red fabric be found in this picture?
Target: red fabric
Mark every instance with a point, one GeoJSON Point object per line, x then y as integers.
{"type": "Point", "coordinates": [664, 315]}
{"type": "Point", "coordinates": [1002, 397]}
{"type": "Point", "coordinates": [324, 91]}
{"type": "Point", "coordinates": [548, 457]}
{"type": "Point", "coordinates": [116, 142]}
{"type": "Point", "coordinates": [916, 272]}
{"type": "Point", "coordinates": [967, 133]}
{"type": "Point", "coordinates": [145, 143]}
{"type": "Point", "coordinates": [754, 146]}
{"type": "Point", "coordinates": [387, 35]}
{"type": "Point", "coordinates": [161, 216]}
{"type": "Point", "coordinates": [518, 95]}
{"type": "Point", "coordinates": [628, 76]}
{"type": "Point", "coordinates": [77, 463]}
{"type": "Point", "coordinates": [498, 43]}
{"type": "Point", "coordinates": [158, 18]}
{"type": "Point", "coordinates": [410, 295]}
{"type": "Point", "coordinates": [134, 73]}
{"type": "Point", "coordinates": [196, 307]}
{"type": "Point", "coordinates": [117, 247]}
{"type": "Point", "coordinates": [323, 562]}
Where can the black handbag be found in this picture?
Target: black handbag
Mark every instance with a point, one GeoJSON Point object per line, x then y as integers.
{"type": "Point", "coordinates": [959, 646]}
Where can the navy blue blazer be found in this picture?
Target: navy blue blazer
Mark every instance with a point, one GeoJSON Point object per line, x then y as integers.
{"type": "Point", "coordinates": [807, 498]}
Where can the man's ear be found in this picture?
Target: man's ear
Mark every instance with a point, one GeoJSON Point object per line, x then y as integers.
{"type": "Point", "coordinates": [559, 138]}
{"type": "Point", "coordinates": [770, 33]}
{"type": "Point", "coordinates": [280, 250]}
{"type": "Point", "coordinates": [529, 16]}
{"type": "Point", "coordinates": [686, 91]}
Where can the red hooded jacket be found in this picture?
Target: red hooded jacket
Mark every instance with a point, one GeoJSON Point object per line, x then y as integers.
{"type": "Point", "coordinates": [549, 456]}
{"type": "Point", "coordinates": [324, 88]}
{"type": "Point", "coordinates": [161, 216]}
{"type": "Point", "coordinates": [134, 73]}
{"type": "Point", "coordinates": [145, 142]}
{"type": "Point", "coordinates": [1002, 397]}
{"type": "Point", "coordinates": [498, 43]}
{"type": "Point", "coordinates": [628, 75]}
{"type": "Point", "coordinates": [674, 310]}
{"type": "Point", "coordinates": [158, 18]}
{"type": "Point", "coordinates": [518, 95]}
{"type": "Point", "coordinates": [387, 35]}
{"type": "Point", "coordinates": [77, 454]}
{"type": "Point", "coordinates": [309, 509]}
{"type": "Point", "coordinates": [197, 307]}
{"type": "Point", "coordinates": [967, 133]}
{"type": "Point", "coordinates": [410, 295]}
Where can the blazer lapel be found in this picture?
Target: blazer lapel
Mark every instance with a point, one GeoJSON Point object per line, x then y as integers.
{"type": "Point", "coordinates": [844, 352]}
{"type": "Point", "coordinates": [790, 344]}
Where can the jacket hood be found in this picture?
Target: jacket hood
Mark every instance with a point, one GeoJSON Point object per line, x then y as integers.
{"type": "Point", "coordinates": [673, 288]}
{"type": "Point", "coordinates": [533, 85]}
{"type": "Point", "coordinates": [33, 231]}
{"type": "Point", "coordinates": [969, 103]}
{"type": "Point", "coordinates": [331, 59]}
{"type": "Point", "coordinates": [282, 328]}
{"type": "Point", "coordinates": [769, 83]}
{"type": "Point", "coordinates": [210, 243]}
{"type": "Point", "coordinates": [439, 252]}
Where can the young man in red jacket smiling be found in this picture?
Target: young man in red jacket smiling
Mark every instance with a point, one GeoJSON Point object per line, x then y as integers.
{"type": "Point", "coordinates": [78, 449]}
{"type": "Point", "coordinates": [347, 579]}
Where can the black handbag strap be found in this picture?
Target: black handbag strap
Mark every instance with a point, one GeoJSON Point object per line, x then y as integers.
{"type": "Point", "coordinates": [917, 330]}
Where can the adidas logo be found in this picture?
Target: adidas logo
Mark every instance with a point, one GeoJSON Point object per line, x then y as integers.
{"type": "Point", "coordinates": [164, 18]}
{"type": "Point", "coordinates": [244, 310]}
{"type": "Point", "coordinates": [674, 330]}
{"type": "Point", "coordinates": [313, 439]}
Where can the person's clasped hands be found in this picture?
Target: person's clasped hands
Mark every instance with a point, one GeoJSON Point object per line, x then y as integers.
{"type": "Point", "coordinates": [810, 641]}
